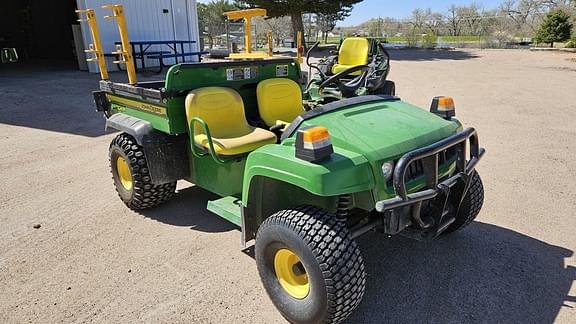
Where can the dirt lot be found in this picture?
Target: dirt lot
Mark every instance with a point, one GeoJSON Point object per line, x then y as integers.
{"type": "Point", "coordinates": [93, 260]}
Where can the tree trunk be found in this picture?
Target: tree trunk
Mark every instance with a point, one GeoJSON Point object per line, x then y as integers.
{"type": "Point", "coordinates": [298, 26]}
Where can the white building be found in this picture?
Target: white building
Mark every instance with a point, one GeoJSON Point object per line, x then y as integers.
{"type": "Point", "coordinates": [146, 20]}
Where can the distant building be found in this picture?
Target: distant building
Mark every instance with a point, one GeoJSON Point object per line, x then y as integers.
{"type": "Point", "coordinates": [42, 29]}
{"type": "Point", "coordinates": [146, 20]}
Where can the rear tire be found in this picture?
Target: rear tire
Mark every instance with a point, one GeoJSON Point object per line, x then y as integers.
{"type": "Point", "coordinates": [471, 205]}
{"type": "Point", "coordinates": [132, 178]}
{"type": "Point", "coordinates": [310, 266]}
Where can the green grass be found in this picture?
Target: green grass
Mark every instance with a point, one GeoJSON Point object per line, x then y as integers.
{"type": "Point", "coordinates": [403, 39]}
{"type": "Point", "coordinates": [459, 39]}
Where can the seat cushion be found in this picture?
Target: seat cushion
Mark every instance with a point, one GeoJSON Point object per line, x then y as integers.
{"type": "Point", "coordinates": [337, 68]}
{"type": "Point", "coordinates": [256, 138]}
{"type": "Point", "coordinates": [279, 99]}
{"type": "Point", "coordinates": [223, 111]}
{"type": "Point", "coordinates": [353, 52]}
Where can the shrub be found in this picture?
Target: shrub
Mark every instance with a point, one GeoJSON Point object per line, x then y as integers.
{"type": "Point", "coordinates": [412, 40]}
{"type": "Point", "coordinates": [429, 40]}
{"type": "Point", "coordinates": [571, 43]}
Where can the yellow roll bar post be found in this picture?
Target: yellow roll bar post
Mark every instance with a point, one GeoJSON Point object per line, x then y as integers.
{"type": "Point", "coordinates": [248, 32]}
{"type": "Point", "coordinates": [96, 46]}
{"type": "Point", "coordinates": [270, 44]}
{"type": "Point", "coordinates": [125, 50]}
{"type": "Point", "coordinates": [247, 16]}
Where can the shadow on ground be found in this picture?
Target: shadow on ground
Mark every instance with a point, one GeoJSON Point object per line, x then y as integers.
{"type": "Point", "coordinates": [416, 54]}
{"type": "Point", "coordinates": [52, 96]}
{"type": "Point", "coordinates": [188, 208]}
{"type": "Point", "coordinates": [484, 274]}
{"type": "Point", "coordinates": [430, 55]}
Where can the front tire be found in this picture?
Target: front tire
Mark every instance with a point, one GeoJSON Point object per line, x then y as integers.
{"type": "Point", "coordinates": [310, 266]}
{"type": "Point", "coordinates": [471, 205]}
{"type": "Point", "coordinates": [132, 178]}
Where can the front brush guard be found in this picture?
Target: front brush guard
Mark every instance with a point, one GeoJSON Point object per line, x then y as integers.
{"type": "Point", "coordinates": [438, 193]}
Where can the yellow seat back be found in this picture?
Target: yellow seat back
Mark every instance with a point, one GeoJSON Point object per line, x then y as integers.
{"type": "Point", "coordinates": [353, 52]}
{"type": "Point", "coordinates": [221, 108]}
{"type": "Point", "coordinates": [279, 100]}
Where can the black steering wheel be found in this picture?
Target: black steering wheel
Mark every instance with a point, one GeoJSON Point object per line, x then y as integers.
{"type": "Point", "coordinates": [347, 89]}
{"type": "Point", "coordinates": [380, 69]}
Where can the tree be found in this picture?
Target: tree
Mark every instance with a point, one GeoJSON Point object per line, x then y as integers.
{"type": "Point", "coordinates": [279, 27]}
{"type": "Point", "coordinates": [327, 22]}
{"type": "Point", "coordinates": [470, 15]}
{"type": "Point", "coordinates": [527, 14]}
{"type": "Point", "coordinates": [556, 27]}
{"type": "Point", "coordinates": [433, 21]}
{"type": "Point", "coordinates": [453, 20]}
{"type": "Point", "coordinates": [418, 19]}
{"type": "Point", "coordinates": [211, 20]}
{"type": "Point", "coordinates": [295, 9]}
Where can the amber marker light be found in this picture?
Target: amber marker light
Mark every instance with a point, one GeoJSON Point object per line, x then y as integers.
{"type": "Point", "coordinates": [313, 144]}
{"type": "Point", "coordinates": [443, 106]}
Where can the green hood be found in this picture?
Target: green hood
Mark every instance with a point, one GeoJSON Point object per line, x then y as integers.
{"type": "Point", "coordinates": [383, 130]}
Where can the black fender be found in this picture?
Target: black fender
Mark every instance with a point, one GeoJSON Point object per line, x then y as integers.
{"type": "Point", "coordinates": [167, 155]}
{"type": "Point", "coordinates": [101, 101]}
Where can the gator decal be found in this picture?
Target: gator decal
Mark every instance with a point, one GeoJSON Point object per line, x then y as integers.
{"type": "Point", "coordinates": [119, 104]}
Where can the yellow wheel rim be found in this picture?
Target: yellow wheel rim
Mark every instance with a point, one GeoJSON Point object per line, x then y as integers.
{"type": "Point", "coordinates": [291, 274]}
{"type": "Point", "coordinates": [124, 173]}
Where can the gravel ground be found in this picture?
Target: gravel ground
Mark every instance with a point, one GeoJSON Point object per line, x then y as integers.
{"type": "Point", "coordinates": [93, 260]}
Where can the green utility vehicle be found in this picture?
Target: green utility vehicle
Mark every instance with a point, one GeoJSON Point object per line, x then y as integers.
{"type": "Point", "coordinates": [302, 173]}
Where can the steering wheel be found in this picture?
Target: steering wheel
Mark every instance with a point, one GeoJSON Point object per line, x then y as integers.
{"type": "Point", "coordinates": [347, 89]}
{"type": "Point", "coordinates": [381, 68]}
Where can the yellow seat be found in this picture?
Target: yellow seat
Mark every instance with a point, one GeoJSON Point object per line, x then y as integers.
{"type": "Point", "coordinates": [279, 101]}
{"type": "Point", "coordinates": [223, 111]}
{"type": "Point", "coordinates": [353, 52]}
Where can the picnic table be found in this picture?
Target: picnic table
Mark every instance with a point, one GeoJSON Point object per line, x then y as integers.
{"type": "Point", "coordinates": [142, 49]}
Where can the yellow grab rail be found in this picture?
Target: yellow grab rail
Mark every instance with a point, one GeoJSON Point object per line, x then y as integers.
{"type": "Point", "coordinates": [270, 44]}
{"type": "Point", "coordinates": [96, 46]}
{"type": "Point", "coordinates": [124, 50]}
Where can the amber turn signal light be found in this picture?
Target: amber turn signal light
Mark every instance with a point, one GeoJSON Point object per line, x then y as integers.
{"type": "Point", "coordinates": [443, 106]}
{"type": "Point", "coordinates": [313, 144]}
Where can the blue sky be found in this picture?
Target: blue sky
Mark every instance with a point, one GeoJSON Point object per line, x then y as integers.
{"type": "Point", "coordinates": [403, 8]}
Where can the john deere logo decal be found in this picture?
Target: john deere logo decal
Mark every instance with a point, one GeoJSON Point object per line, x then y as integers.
{"type": "Point", "coordinates": [116, 101]}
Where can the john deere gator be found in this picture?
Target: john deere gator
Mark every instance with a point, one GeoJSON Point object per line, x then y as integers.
{"type": "Point", "coordinates": [302, 172]}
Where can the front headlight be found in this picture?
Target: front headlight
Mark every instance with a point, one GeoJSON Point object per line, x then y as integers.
{"type": "Point", "coordinates": [387, 170]}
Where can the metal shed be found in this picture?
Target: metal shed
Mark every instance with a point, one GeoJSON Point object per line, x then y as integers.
{"type": "Point", "coordinates": [146, 20]}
